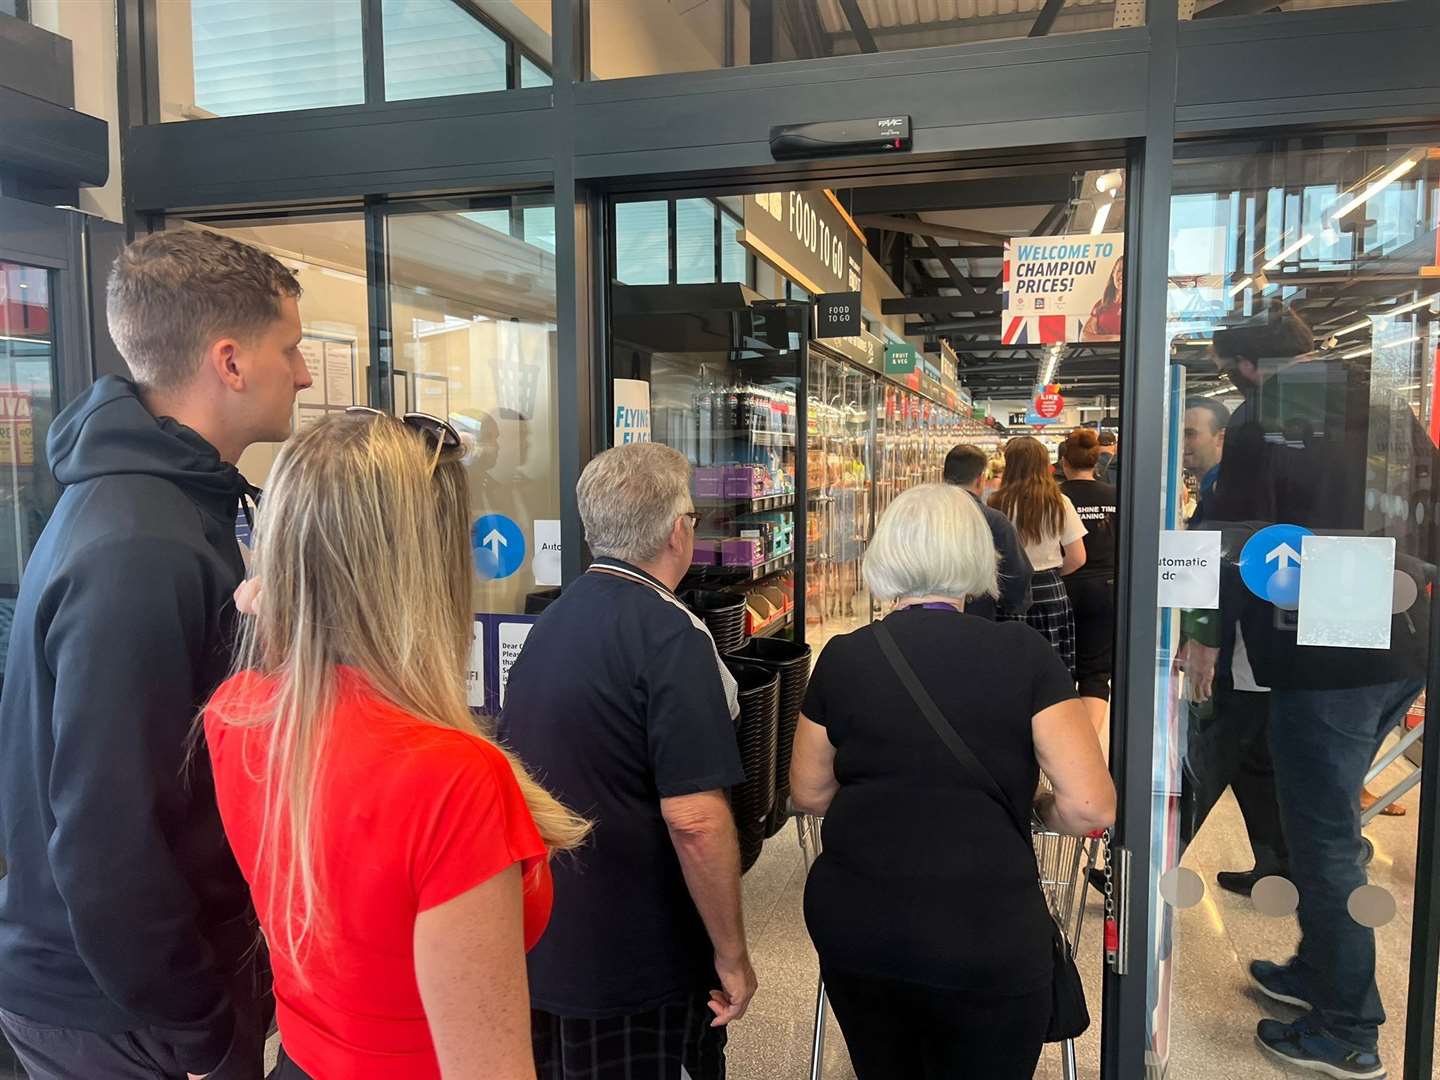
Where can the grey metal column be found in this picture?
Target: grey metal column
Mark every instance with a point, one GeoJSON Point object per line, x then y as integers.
{"type": "Point", "coordinates": [1125, 1036]}
{"type": "Point", "coordinates": [575, 286]}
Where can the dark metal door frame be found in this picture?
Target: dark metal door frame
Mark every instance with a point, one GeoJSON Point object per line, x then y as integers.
{"type": "Point", "coordinates": [57, 240]}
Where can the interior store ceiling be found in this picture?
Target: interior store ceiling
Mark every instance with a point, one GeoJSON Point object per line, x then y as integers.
{"type": "Point", "coordinates": [943, 244]}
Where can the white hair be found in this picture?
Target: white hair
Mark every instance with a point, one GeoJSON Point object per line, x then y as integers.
{"type": "Point", "coordinates": [630, 497]}
{"type": "Point", "coordinates": [933, 540]}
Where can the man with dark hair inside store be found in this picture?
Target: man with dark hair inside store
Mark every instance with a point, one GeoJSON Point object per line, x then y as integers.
{"type": "Point", "coordinates": [1205, 423]}
{"type": "Point", "coordinates": [1228, 742]}
{"type": "Point", "coordinates": [965, 467]}
{"type": "Point", "coordinates": [1298, 452]}
{"type": "Point", "coordinates": [620, 703]}
{"type": "Point", "coordinates": [127, 940]}
{"type": "Point", "coordinates": [1107, 468]}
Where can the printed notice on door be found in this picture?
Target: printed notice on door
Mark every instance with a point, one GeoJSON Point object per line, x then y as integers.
{"type": "Point", "coordinates": [1189, 569]}
{"type": "Point", "coordinates": [511, 637]}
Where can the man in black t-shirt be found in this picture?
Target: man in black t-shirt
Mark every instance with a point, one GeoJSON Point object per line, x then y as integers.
{"type": "Point", "coordinates": [965, 467]}
{"type": "Point", "coordinates": [620, 705]}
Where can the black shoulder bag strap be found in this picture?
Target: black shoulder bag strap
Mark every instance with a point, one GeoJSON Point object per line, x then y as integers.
{"type": "Point", "coordinates": [948, 735]}
{"type": "Point", "coordinates": [1069, 1016]}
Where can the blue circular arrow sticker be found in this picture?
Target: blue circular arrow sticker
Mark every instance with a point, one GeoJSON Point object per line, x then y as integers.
{"type": "Point", "coordinates": [1270, 564]}
{"type": "Point", "coordinates": [499, 546]}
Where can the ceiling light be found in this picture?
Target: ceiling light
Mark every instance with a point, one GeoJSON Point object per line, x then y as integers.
{"type": "Point", "coordinates": [1355, 354]}
{"type": "Point", "coordinates": [1415, 306]}
{"type": "Point", "coordinates": [1241, 285]}
{"type": "Point", "coordinates": [1411, 340]}
{"type": "Point", "coordinates": [1287, 252]}
{"type": "Point", "coordinates": [1101, 216]}
{"type": "Point", "coordinates": [1405, 164]}
{"type": "Point", "coordinates": [1110, 181]}
{"type": "Point", "coordinates": [1353, 328]}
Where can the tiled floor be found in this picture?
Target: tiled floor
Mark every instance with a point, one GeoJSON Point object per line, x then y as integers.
{"type": "Point", "coordinates": [1214, 1009]}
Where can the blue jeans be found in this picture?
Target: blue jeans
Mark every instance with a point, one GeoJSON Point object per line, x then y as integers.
{"type": "Point", "coordinates": [1323, 742]}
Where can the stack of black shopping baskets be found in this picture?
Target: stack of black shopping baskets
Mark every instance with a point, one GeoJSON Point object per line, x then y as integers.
{"type": "Point", "coordinates": [772, 676]}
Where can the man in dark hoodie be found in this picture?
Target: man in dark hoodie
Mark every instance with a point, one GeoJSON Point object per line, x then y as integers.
{"type": "Point", "coordinates": [127, 945]}
{"type": "Point", "coordinates": [1315, 436]}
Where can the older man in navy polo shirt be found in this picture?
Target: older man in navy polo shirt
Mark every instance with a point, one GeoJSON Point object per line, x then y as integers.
{"type": "Point", "coordinates": [620, 704]}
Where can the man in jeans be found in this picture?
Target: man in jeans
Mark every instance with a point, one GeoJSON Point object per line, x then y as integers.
{"type": "Point", "coordinates": [128, 950]}
{"type": "Point", "coordinates": [1302, 450]}
{"type": "Point", "coordinates": [620, 704]}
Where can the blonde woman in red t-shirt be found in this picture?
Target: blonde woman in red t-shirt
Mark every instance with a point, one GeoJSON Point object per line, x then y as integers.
{"type": "Point", "coordinates": [396, 855]}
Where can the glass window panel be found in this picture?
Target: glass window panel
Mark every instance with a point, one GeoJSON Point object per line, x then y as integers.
{"type": "Point", "coordinates": [327, 254]}
{"type": "Point", "coordinates": [473, 316]}
{"type": "Point", "coordinates": [540, 227]}
{"type": "Point", "coordinates": [1209, 9]}
{"type": "Point", "coordinates": [220, 58]}
{"type": "Point", "coordinates": [694, 240]}
{"type": "Point", "coordinates": [653, 38]}
{"type": "Point", "coordinates": [734, 256]}
{"type": "Point", "coordinates": [435, 48]}
{"type": "Point", "coordinates": [499, 220]}
{"type": "Point", "coordinates": [532, 74]}
{"type": "Point", "coordinates": [642, 243]}
{"type": "Point", "coordinates": [28, 492]}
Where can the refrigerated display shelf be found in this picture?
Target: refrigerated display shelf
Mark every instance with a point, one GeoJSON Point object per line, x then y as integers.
{"type": "Point", "coordinates": [783, 501]}
{"type": "Point", "coordinates": [774, 566]}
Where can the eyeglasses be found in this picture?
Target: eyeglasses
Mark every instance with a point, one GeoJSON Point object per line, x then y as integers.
{"type": "Point", "coordinates": [438, 433]}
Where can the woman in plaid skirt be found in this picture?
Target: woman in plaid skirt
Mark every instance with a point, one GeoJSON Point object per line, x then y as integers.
{"type": "Point", "coordinates": [1053, 535]}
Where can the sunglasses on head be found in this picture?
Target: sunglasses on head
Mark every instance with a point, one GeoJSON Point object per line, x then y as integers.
{"type": "Point", "coordinates": [438, 433]}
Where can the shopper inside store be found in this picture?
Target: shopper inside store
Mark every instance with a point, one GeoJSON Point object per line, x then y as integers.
{"type": "Point", "coordinates": [726, 540]}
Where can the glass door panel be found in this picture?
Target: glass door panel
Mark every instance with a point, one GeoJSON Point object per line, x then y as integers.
{"type": "Point", "coordinates": [1301, 431]}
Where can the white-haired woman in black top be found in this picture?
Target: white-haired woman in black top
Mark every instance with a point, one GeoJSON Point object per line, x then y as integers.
{"type": "Point", "coordinates": [937, 955]}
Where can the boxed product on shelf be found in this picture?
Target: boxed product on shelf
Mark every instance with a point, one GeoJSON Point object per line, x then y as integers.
{"type": "Point", "coordinates": [709, 482]}
{"type": "Point", "coordinates": [707, 553]}
{"type": "Point", "coordinates": [743, 551]}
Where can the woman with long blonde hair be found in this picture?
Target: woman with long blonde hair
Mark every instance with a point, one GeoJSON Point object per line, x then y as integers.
{"type": "Point", "coordinates": [397, 856]}
{"type": "Point", "coordinates": [1053, 535]}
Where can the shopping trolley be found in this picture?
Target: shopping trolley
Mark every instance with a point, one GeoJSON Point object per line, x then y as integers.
{"type": "Point", "coordinates": [1064, 862]}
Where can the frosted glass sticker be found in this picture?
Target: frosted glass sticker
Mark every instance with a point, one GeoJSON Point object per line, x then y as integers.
{"type": "Point", "coordinates": [1347, 586]}
{"type": "Point", "coordinates": [1189, 569]}
{"type": "Point", "coordinates": [546, 562]}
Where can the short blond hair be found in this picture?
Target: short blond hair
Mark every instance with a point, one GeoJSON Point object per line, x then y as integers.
{"type": "Point", "coordinates": [933, 540]}
{"type": "Point", "coordinates": [173, 293]}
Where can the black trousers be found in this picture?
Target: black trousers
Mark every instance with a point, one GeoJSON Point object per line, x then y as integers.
{"type": "Point", "coordinates": [52, 1053]}
{"type": "Point", "coordinates": [898, 1030]}
{"type": "Point", "coordinates": [1092, 598]}
{"type": "Point", "coordinates": [1229, 746]}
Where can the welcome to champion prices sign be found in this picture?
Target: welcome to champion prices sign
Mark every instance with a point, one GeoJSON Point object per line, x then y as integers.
{"type": "Point", "coordinates": [1063, 288]}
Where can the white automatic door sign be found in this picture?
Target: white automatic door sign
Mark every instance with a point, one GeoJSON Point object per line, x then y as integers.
{"type": "Point", "coordinates": [1189, 569]}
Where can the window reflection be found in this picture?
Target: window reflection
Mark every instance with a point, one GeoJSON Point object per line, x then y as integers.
{"type": "Point", "coordinates": [472, 309]}
{"type": "Point", "coordinates": [27, 406]}
{"type": "Point", "coordinates": [632, 39]}
{"type": "Point", "coordinates": [1302, 308]}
